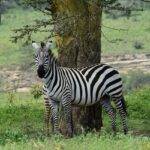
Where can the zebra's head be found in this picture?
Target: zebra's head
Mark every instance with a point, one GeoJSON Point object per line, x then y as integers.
{"type": "Point", "coordinates": [42, 57]}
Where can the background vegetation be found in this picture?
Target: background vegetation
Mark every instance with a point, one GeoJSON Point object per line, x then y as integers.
{"type": "Point", "coordinates": [22, 116]}
{"type": "Point", "coordinates": [134, 39]}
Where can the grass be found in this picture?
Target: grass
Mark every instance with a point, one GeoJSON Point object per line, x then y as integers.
{"type": "Point", "coordinates": [138, 103]}
{"type": "Point", "coordinates": [22, 126]}
{"type": "Point", "coordinates": [124, 42]}
{"type": "Point", "coordinates": [21, 118]}
{"type": "Point", "coordinates": [88, 142]}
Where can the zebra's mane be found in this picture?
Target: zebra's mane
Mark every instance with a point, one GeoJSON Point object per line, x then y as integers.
{"type": "Point", "coordinates": [53, 58]}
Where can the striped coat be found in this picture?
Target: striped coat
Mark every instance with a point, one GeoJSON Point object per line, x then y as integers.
{"type": "Point", "coordinates": [84, 87]}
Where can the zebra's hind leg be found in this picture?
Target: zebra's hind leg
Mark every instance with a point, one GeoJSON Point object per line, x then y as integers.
{"type": "Point", "coordinates": [106, 104]}
{"type": "Point", "coordinates": [68, 116]}
{"type": "Point", "coordinates": [121, 106]}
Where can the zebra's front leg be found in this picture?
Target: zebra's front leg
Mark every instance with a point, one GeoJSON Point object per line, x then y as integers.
{"type": "Point", "coordinates": [46, 115]}
{"type": "Point", "coordinates": [106, 104]}
{"type": "Point", "coordinates": [54, 108]}
{"type": "Point", "coordinates": [47, 110]}
{"type": "Point", "coordinates": [68, 116]}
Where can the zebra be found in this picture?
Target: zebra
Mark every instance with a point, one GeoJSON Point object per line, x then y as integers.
{"type": "Point", "coordinates": [47, 111]}
{"type": "Point", "coordinates": [84, 87]}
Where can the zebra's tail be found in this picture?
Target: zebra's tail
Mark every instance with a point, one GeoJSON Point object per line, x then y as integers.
{"type": "Point", "coordinates": [124, 105]}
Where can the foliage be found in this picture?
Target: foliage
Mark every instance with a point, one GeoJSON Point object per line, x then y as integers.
{"type": "Point", "coordinates": [36, 91]}
{"type": "Point", "coordinates": [37, 4]}
{"type": "Point", "coordinates": [11, 98]}
{"type": "Point", "coordinates": [6, 4]}
{"type": "Point", "coordinates": [26, 31]}
{"type": "Point", "coordinates": [138, 104]}
{"type": "Point", "coordinates": [138, 45]}
{"type": "Point", "coordinates": [135, 80]}
{"type": "Point", "coordinates": [122, 41]}
{"type": "Point", "coordinates": [16, 53]}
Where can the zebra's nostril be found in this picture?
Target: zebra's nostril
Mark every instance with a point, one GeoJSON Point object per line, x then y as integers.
{"type": "Point", "coordinates": [41, 67]}
{"type": "Point", "coordinates": [41, 71]}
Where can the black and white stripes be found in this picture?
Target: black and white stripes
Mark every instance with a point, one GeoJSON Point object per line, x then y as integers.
{"type": "Point", "coordinates": [84, 87]}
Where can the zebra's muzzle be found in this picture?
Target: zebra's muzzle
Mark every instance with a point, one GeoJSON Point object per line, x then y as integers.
{"type": "Point", "coordinates": [41, 71]}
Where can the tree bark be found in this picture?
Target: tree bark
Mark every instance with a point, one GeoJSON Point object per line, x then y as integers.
{"type": "Point", "coordinates": [78, 30]}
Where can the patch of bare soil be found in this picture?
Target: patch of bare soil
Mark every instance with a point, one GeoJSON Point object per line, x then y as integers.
{"type": "Point", "coordinates": [13, 78]}
{"type": "Point", "coordinates": [126, 63]}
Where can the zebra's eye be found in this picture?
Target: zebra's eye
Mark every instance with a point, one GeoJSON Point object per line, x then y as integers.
{"type": "Point", "coordinates": [46, 55]}
{"type": "Point", "coordinates": [36, 55]}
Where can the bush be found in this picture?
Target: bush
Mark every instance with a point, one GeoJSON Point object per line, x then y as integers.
{"type": "Point", "coordinates": [11, 98]}
{"type": "Point", "coordinates": [135, 80]}
{"type": "Point", "coordinates": [138, 45]}
{"type": "Point", "coordinates": [36, 91]}
{"type": "Point", "coordinates": [138, 103]}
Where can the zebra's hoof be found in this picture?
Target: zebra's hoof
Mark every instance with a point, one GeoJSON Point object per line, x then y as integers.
{"type": "Point", "coordinates": [69, 134]}
{"type": "Point", "coordinates": [125, 131]}
{"type": "Point", "coordinates": [47, 134]}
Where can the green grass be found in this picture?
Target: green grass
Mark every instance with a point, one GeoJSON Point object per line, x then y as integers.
{"type": "Point", "coordinates": [88, 142]}
{"type": "Point", "coordinates": [139, 104]}
{"type": "Point", "coordinates": [138, 31]}
{"type": "Point", "coordinates": [21, 116]}
{"type": "Point", "coordinates": [22, 125]}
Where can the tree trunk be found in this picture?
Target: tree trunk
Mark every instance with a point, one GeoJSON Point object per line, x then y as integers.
{"type": "Point", "coordinates": [77, 27]}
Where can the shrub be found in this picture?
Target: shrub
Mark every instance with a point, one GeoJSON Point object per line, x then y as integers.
{"type": "Point", "coordinates": [139, 103]}
{"type": "Point", "coordinates": [135, 80]}
{"type": "Point", "coordinates": [36, 91]}
{"type": "Point", "coordinates": [138, 45]}
{"type": "Point", "coordinates": [11, 98]}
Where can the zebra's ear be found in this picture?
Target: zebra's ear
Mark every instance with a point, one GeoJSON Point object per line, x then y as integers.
{"type": "Point", "coordinates": [50, 45]}
{"type": "Point", "coordinates": [35, 45]}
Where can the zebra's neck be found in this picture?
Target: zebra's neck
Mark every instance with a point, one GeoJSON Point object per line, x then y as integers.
{"type": "Point", "coordinates": [52, 72]}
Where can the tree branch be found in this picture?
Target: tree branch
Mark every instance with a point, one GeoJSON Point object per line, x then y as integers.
{"type": "Point", "coordinates": [64, 22]}
{"type": "Point", "coordinates": [122, 8]}
{"type": "Point", "coordinates": [147, 1]}
{"type": "Point", "coordinates": [119, 29]}
{"type": "Point", "coordinates": [110, 41]}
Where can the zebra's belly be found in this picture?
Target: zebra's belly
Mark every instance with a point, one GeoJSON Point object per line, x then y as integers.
{"type": "Point", "coordinates": [55, 97]}
{"type": "Point", "coordinates": [84, 102]}
{"type": "Point", "coordinates": [80, 99]}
